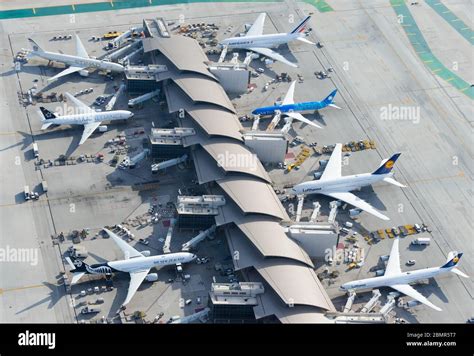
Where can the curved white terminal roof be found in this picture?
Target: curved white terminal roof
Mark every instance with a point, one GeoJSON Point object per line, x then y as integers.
{"type": "Point", "coordinates": [295, 284]}
{"type": "Point", "coordinates": [206, 167]}
{"type": "Point", "coordinates": [234, 156]}
{"type": "Point", "coordinates": [251, 247]}
{"type": "Point", "coordinates": [178, 49]}
{"type": "Point", "coordinates": [253, 195]}
{"type": "Point", "coordinates": [269, 303]}
{"type": "Point", "coordinates": [203, 90]}
{"type": "Point", "coordinates": [216, 122]}
{"type": "Point", "coordinates": [211, 118]}
{"type": "Point", "coordinates": [252, 205]}
{"type": "Point", "coordinates": [311, 297]}
{"type": "Point", "coordinates": [270, 239]}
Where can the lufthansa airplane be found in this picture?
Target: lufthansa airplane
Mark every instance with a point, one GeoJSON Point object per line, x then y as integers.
{"type": "Point", "coordinates": [398, 280]}
{"type": "Point", "coordinates": [333, 184]}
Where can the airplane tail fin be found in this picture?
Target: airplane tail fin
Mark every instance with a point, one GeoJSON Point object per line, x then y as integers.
{"type": "Point", "coordinates": [302, 26]}
{"type": "Point", "coordinates": [78, 268]}
{"type": "Point", "coordinates": [330, 98]}
{"type": "Point", "coordinates": [76, 264]}
{"type": "Point", "coordinates": [453, 259]}
{"type": "Point", "coordinates": [387, 165]}
{"type": "Point", "coordinates": [35, 46]}
{"type": "Point", "coordinates": [46, 115]}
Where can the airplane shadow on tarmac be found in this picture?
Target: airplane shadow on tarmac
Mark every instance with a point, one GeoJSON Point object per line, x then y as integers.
{"type": "Point", "coordinates": [56, 293]}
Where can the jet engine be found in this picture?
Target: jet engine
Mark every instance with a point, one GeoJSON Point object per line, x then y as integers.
{"type": "Point", "coordinates": [151, 277]}
{"type": "Point", "coordinates": [145, 253]}
{"type": "Point", "coordinates": [103, 128]}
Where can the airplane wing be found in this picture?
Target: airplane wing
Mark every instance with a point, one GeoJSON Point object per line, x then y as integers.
{"type": "Point", "coordinates": [257, 28]}
{"type": "Point", "coordinates": [80, 49]}
{"type": "Point", "coordinates": [333, 168]}
{"type": "Point", "coordinates": [83, 107]}
{"type": "Point", "coordinates": [136, 279]}
{"type": "Point", "coordinates": [88, 130]}
{"type": "Point", "coordinates": [67, 71]}
{"type": "Point", "coordinates": [357, 202]}
{"type": "Point", "coordinates": [411, 292]}
{"type": "Point", "coordinates": [76, 277]}
{"type": "Point", "coordinates": [273, 55]}
{"type": "Point", "coordinates": [299, 117]}
{"type": "Point", "coordinates": [289, 97]}
{"type": "Point", "coordinates": [393, 264]}
{"type": "Point", "coordinates": [128, 251]}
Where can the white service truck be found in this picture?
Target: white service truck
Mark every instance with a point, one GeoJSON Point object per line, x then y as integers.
{"type": "Point", "coordinates": [421, 241]}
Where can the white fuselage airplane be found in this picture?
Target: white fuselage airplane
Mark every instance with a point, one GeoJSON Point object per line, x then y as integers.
{"type": "Point", "coordinates": [334, 185]}
{"type": "Point", "coordinates": [398, 280]}
{"type": "Point", "coordinates": [255, 41]}
{"type": "Point", "coordinates": [78, 63]}
{"type": "Point", "coordinates": [86, 116]}
{"type": "Point", "coordinates": [292, 110]}
{"type": "Point", "coordinates": [137, 264]}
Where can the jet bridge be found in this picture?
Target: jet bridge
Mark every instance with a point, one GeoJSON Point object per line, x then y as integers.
{"type": "Point", "coordinates": [350, 302]}
{"type": "Point", "coordinates": [169, 163]}
{"type": "Point", "coordinates": [256, 121]}
{"type": "Point", "coordinates": [142, 98]}
{"type": "Point", "coordinates": [169, 235]}
{"type": "Point", "coordinates": [121, 52]}
{"type": "Point", "coordinates": [126, 60]}
{"type": "Point", "coordinates": [223, 54]}
{"type": "Point", "coordinates": [333, 213]}
{"type": "Point", "coordinates": [275, 121]}
{"type": "Point", "coordinates": [372, 302]}
{"type": "Point", "coordinates": [391, 302]}
{"type": "Point", "coordinates": [200, 315]}
{"type": "Point", "coordinates": [123, 37]}
{"type": "Point", "coordinates": [315, 214]}
{"type": "Point", "coordinates": [299, 208]}
{"type": "Point", "coordinates": [197, 239]}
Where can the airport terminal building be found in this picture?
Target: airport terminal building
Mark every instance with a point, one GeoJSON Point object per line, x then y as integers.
{"type": "Point", "coordinates": [262, 252]}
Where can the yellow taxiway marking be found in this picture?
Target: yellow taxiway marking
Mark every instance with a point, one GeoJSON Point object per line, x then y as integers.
{"type": "Point", "coordinates": [20, 288]}
{"type": "Point", "coordinates": [108, 192]}
{"type": "Point", "coordinates": [459, 175]}
{"type": "Point", "coordinates": [9, 133]}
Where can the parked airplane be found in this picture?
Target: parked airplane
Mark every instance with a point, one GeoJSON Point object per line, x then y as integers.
{"type": "Point", "coordinates": [138, 264]}
{"type": "Point", "coordinates": [86, 116]}
{"type": "Point", "coordinates": [334, 185]}
{"type": "Point", "coordinates": [255, 41]}
{"type": "Point", "coordinates": [78, 63]}
{"type": "Point", "coordinates": [288, 107]}
{"type": "Point", "coordinates": [398, 280]}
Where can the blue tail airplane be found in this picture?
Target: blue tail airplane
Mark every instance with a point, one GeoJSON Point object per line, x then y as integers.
{"type": "Point", "coordinates": [288, 107]}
